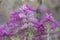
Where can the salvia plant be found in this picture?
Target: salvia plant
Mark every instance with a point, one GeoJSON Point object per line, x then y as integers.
{"type": "Point", "coordinates": [24, 23]}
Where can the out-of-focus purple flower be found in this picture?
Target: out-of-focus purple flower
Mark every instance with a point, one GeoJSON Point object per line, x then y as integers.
{"type": "Point", "coordinates": [20, 20]}
{"type": "Point", "coordinates": [2, 28]}
{"type": "Point", "coordinates": [49, 18]}
{"type": "Point", "coordinates": [1, 38]}
{"type": "Point", "coordinates": [41, 29]}
{"type": "Point", "coordinates": [22, 16]}
{"type": "Point", "coordinates": [3, 31]}
{"type": "Point", "coordinates": [36, 37]}
{"type": "Point", "coordinates": [27, 8]}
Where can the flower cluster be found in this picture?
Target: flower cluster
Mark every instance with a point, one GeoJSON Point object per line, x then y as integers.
{"type": "Point", "coordinates": [19, 21]}
{"type": "Point", "coordinates": [42, 27]}
{"type": "Point", "coordinates": [24, 23]}
{"type": "Point", "coordinates": [48, 17]}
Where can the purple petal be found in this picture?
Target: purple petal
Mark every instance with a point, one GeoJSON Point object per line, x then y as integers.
{"type": "Point", "coordinates": [28, 7]}
{"type": "Point", "coordinates": [49, 18]}
{"type": "Point", "coordinates": [1, 38]}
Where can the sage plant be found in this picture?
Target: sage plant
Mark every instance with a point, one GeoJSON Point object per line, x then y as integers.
{"type": "Point", "coordinates": [48, 17]}
{"type": "Point", "coordinates": [23, 23]}
{"type": "Point", "coordinates": [20, 20]}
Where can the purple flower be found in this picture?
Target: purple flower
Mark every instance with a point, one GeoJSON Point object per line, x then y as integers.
{"type": "Point", "coordinates": [1, 38]}
{"type": "Point", "coordinates": [27, 8]}
{"type": "Point", "coordinates": [37, 37]}
{"type": "Point", "coordinates": [49, 18]}
{"type": "Point", "coordinates": [20, 20]}
{"type": "Point", "coordinates": [41, 29]}
{"type": "Point", "coordinates": [2, 28]}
